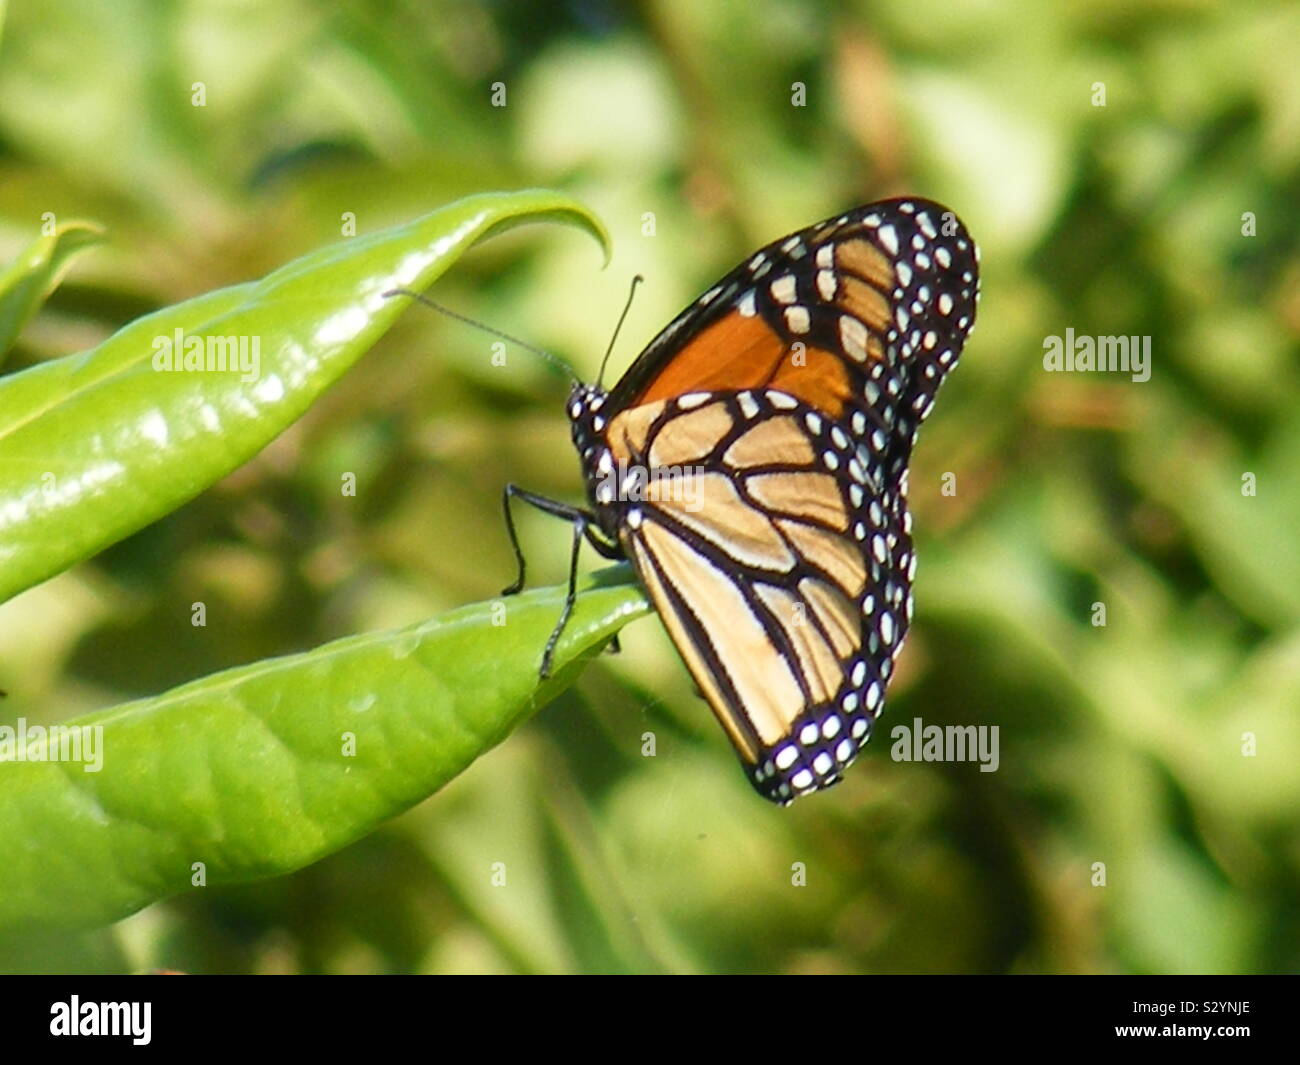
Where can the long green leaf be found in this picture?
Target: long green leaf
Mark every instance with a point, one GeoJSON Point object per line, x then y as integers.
{"type": "Point", "coordinates": [97, 445]}
{"type": "Point", "coordinates": [261, 770]}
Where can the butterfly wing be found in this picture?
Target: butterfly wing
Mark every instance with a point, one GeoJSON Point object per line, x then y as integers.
{"type": "Point", "coordinates": [775, 418]}
{"type": "Point", "coordinates": [868, 311]}
{"type": "Point", "coordinates": [785, 604]}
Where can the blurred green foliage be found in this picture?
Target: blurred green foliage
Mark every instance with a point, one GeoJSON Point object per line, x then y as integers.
{"type": "Point", "coordinates": [1120, 744]}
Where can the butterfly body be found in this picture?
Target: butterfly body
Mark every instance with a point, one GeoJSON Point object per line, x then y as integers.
{"type": "Point", "coordinates": [752, 465]}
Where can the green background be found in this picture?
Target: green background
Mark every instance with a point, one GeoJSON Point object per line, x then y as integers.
{"type": "Point", "coordinates": [1120, 744]}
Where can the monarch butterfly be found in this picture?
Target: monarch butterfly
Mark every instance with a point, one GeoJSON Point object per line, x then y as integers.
{"type": "Point", "coordinates": [788, 398]}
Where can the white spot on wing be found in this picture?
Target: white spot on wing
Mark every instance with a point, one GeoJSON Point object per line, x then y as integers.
{"type": "Point", "coordinates": [796, 318]}
{"type": "Point", "coordinates": [783, 289]}
{"type": "Point", "coordinates": [853, 337]}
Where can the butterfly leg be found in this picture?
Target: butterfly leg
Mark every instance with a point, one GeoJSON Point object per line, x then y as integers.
{"type": "Point", "coordinates": [579, 527]}
{"type": "Point", "coordinates": [547, 506]}
{"type": "Point", "coordinates": [584, 526]}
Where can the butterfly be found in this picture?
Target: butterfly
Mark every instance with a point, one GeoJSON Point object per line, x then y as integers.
{"type": "Point", "coordinates": [752, 465]}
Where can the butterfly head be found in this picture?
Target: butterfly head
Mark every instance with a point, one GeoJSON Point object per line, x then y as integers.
{"type": "Point", "coordinates": [585, 405]}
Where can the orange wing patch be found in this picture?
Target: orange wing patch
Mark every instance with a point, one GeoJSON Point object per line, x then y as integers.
{"type": "Point", "coordinates": [866, 303]}
{"type": "Point", "coordinates": [710, 505]}
{"type": "Point", "coordinates": [774, 440]}
{"type": "Point", "coordinates": [868, 262]}
{"type": "Point", "coordinates": [834, 554]}
{"type": "Point", "coordinates": [732, 354]}
{"type": "Point", "coordinates": [818, 663]}
{"type": "Point", "coordinates": [737, 353]}
{"type": "Point", "coordinates": [764, 683]}
{"type": "Point", "coordinates": [837, 614]}
{"type": "Point", "coordinates": [629, 431]}
{"type": "Point", "coordinates": [690, 438]}
{"type": "Point", "coordinates": [822, 381]}
{"type": "Point", "coordinates": [813, 497]}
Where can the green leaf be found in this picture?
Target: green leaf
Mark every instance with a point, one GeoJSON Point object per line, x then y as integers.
{"type": "Point", "coordinates": [31, 277]}
{"type": "Point", "coordinates": [97, 445]}
{"type": "Point", "coordinates": [249, 772]}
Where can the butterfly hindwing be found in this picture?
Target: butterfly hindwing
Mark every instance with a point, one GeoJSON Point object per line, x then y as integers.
{"type": "Point", "coordinates": [767, 534]}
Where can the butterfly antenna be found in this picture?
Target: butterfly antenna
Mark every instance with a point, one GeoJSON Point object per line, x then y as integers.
{"type": "Point", "coordinates": [550, 357]}
{"type": "Point", "coordinates": [626, 307]}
